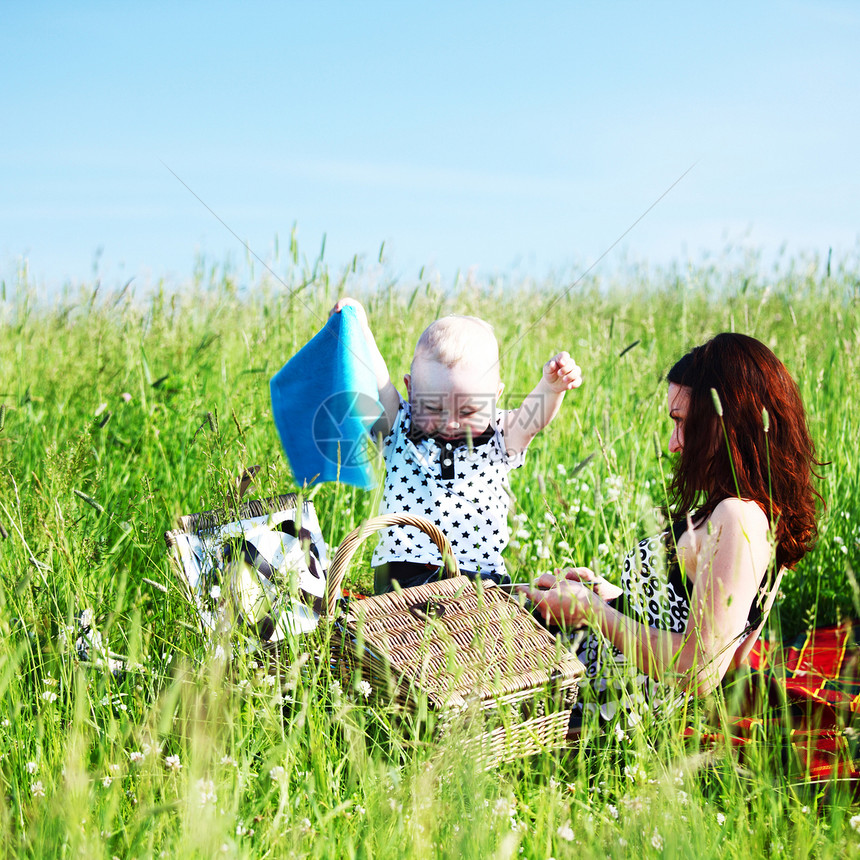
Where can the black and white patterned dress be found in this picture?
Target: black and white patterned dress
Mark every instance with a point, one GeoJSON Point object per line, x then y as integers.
{"type": "Point", "coordinates": [655, 592]}
{"type": "Point", "coordinates": [463, 489]}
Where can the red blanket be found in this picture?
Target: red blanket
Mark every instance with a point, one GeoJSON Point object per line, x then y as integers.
{"type": "Point", "coordinates": [806, 692]}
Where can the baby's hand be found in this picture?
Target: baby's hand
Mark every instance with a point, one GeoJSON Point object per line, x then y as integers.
{"type": "Point", "coordinates": [562, 373]}
{"type": "Point", "coordinates": [351, 303]}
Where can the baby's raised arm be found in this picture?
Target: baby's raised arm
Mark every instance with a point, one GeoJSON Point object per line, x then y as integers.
{"type": "Point", "coordinates": [388, 396]}
{"type": "Point", "coordinates": [560, 374]}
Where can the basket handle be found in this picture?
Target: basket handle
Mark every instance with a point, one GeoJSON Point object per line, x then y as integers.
{"type": "Point", "coordinates": [351, 542]}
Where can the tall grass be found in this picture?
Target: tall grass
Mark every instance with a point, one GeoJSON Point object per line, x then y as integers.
{"type": "Point", "coordinates": [120, 412]}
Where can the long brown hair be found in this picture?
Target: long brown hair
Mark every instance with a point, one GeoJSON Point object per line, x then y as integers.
{"type": "Point", "coordinates": [733, 456]}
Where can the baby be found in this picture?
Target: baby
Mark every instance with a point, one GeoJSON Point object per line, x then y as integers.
{"type": "Point", "coordinates": [447, 450]}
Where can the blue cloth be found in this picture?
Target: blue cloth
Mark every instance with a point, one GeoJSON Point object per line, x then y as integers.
{"type": "Point", "coordinates": [325, 401]}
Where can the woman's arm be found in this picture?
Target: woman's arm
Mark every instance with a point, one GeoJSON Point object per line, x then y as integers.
{"type": "Point", "coordinates": [573, 604]}
{"type": "Point", "coordinates": [736, 549]}
{"type": "Point", "coordinates": [728, 564]}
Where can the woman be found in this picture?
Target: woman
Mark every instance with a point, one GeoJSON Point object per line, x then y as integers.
{"type": "Point", "coordinates": [742, 504]}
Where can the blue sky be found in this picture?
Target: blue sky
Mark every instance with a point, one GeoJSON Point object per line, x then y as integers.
{"type": "Point", "coordinates": [515, 138]}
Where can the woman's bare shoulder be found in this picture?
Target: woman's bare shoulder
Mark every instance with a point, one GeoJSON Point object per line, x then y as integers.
{"type": "Point", "coordinates": [742, 514]}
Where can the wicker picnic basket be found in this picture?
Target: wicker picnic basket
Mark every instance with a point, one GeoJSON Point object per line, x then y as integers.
{"type": "Point", "coordinates": [467, 648]}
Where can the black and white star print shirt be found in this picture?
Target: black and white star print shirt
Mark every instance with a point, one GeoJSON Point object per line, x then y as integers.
{"type": "Point", "coordinates": [465, 492]}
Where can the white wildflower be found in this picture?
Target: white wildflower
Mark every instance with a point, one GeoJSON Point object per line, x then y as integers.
{"type": "Point", "coordinates": [561, 469]}
{"type": "Point", "coordinates": [215, 592]}
{"type": "Point", "coordinates": [229, 760]}
{"type": "Point", "coordinates": [565, 832]}
{"type": "Point", "coordinates": [854, 821]}
{"type": "Point", "coordinates": [32, 767]}
{"type": "Point", "coordinates": [657, 840]}
{"type": "Point", "coordinates": [276, 773]}
{"type": "Point", "coordinates": [612, 810]}
{"type": "Point", "coordinates": [365, 689]}
{"type": "Point", "coordinates": [173, 763]}
{"type": "Point", "coordinates": [136, 757]}
{"type": "Point", "coordinates": [721, 819]}
{"type": "Point", "coordinates": [613, 486]}
{"type": "Point", "coordinates": [503, 806]}
{"type": "Point", "coordinates": [636, 772]}
{"type": "Point", "coordinates": [206, 791]}
{"type": "Point", "coordinates": [38, 790]}
{"type": "Point", "coordinates": [106, 782]}
{"type": "Point", "coordinates": [619, 734]}
{"type": "Point", "coordinates": [634, 804]}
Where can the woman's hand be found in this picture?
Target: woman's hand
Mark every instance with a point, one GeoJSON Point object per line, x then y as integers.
{"type": "Point", "coordinates": [562, 601]}
{"type": "Point", "coordinates": [603, 588]}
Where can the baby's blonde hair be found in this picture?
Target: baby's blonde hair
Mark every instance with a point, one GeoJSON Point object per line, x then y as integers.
{"type": "Point", "coordinates": [455, 338]}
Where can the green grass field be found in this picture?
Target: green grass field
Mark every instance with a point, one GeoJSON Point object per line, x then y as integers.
{"type": "Point", "coordinates": [119, 412]}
